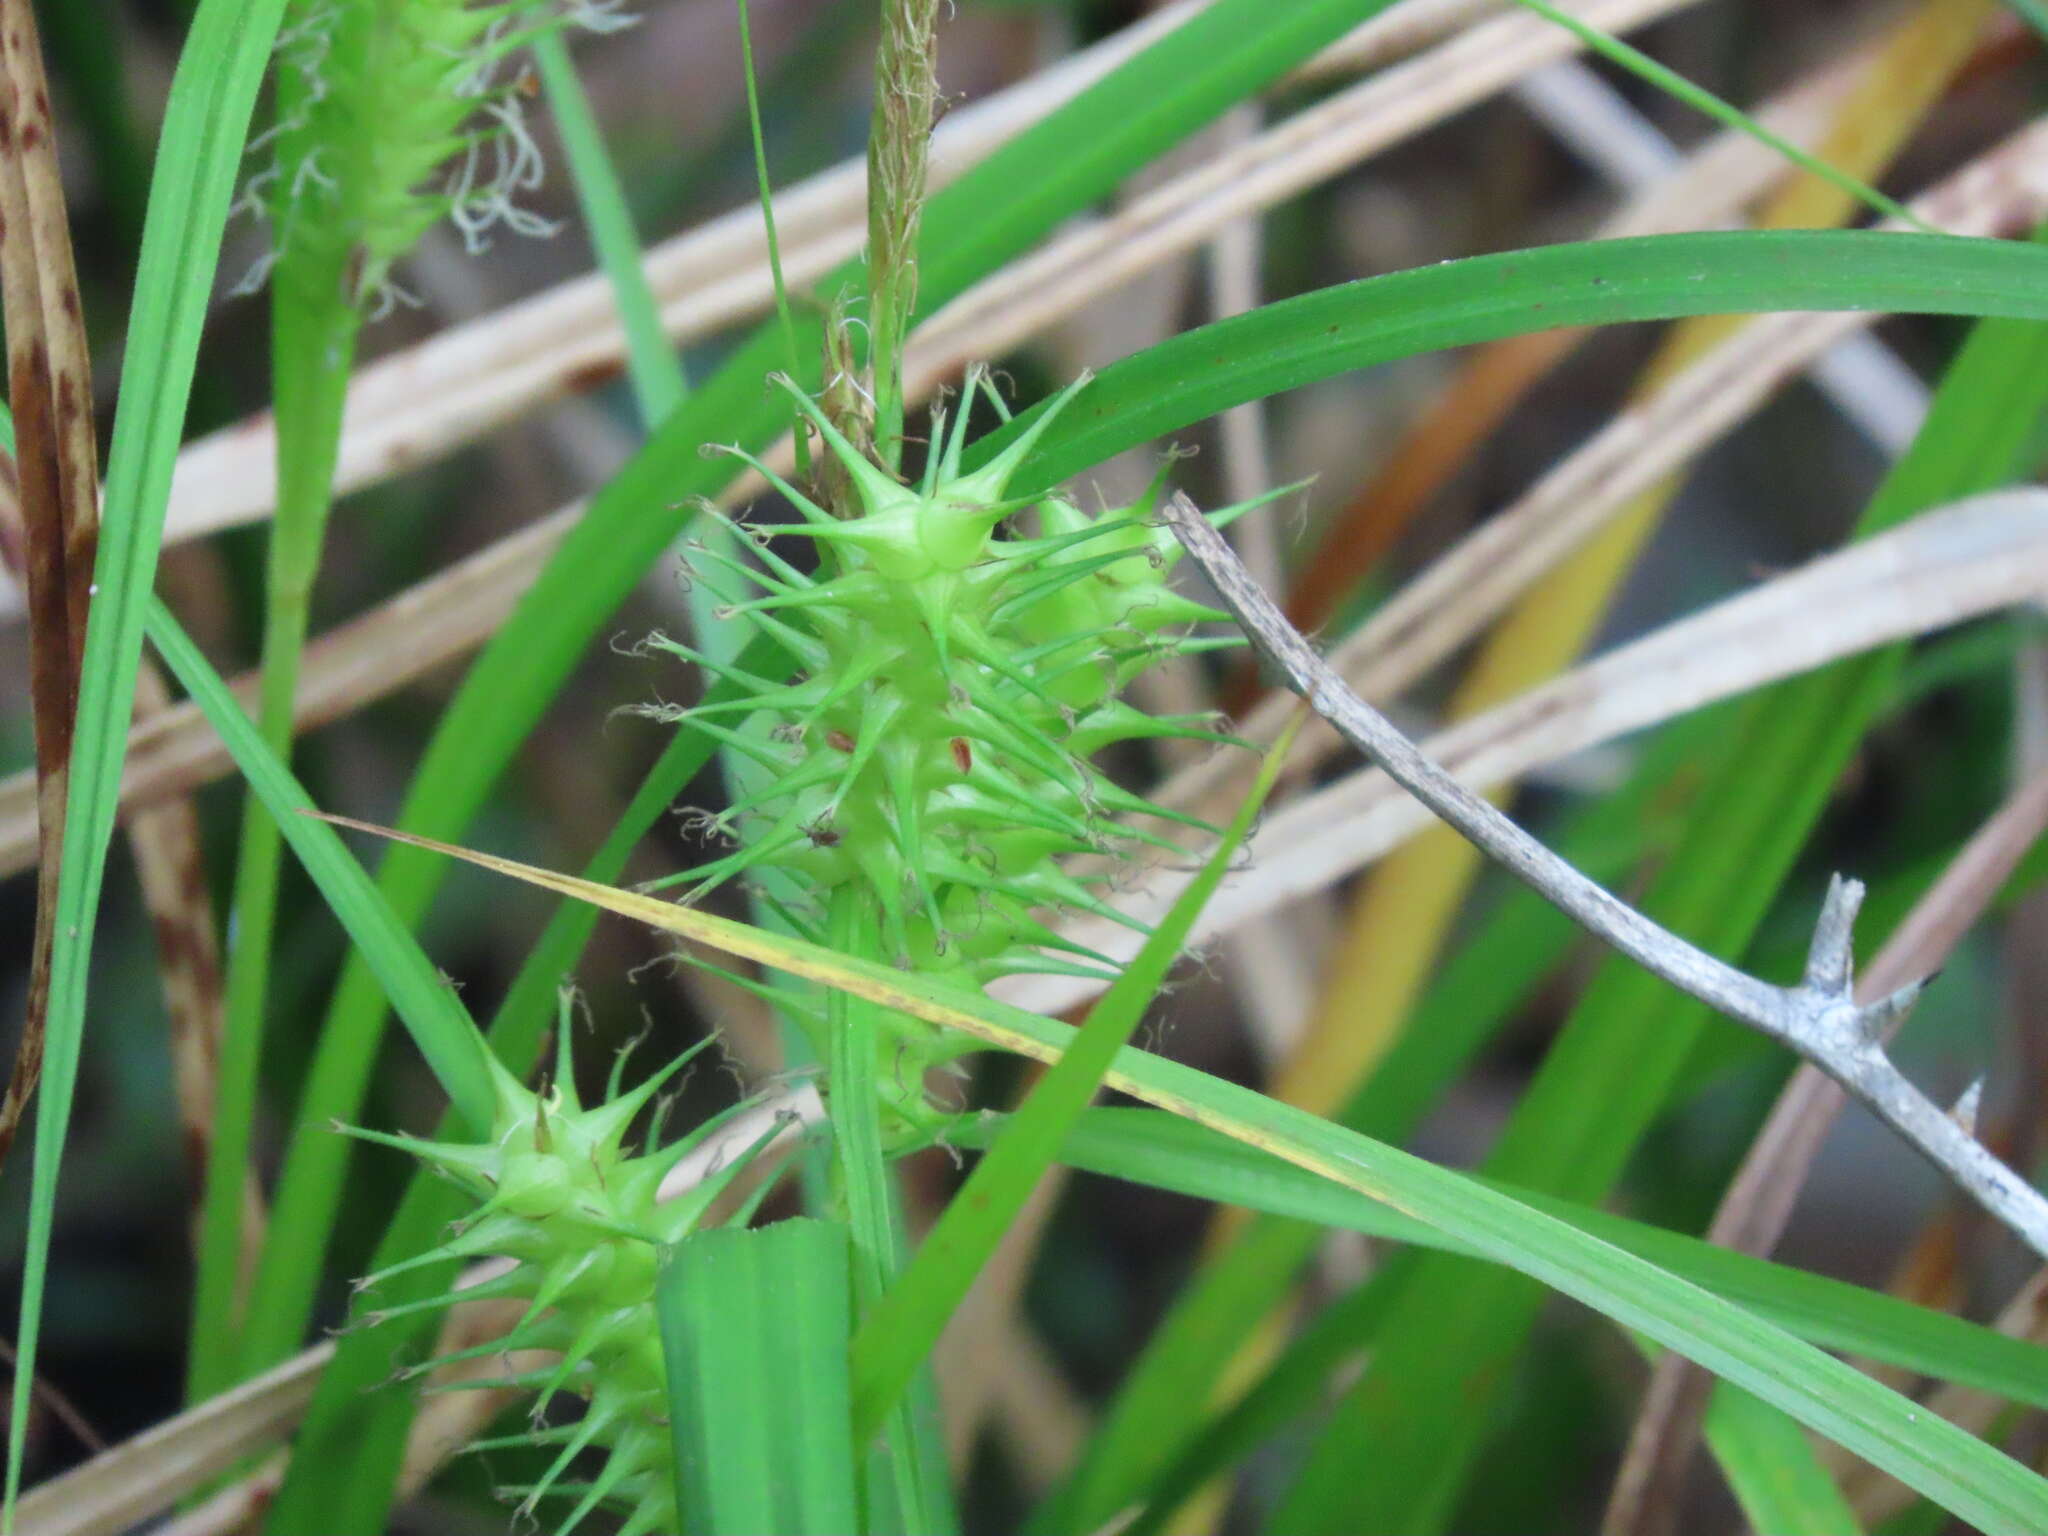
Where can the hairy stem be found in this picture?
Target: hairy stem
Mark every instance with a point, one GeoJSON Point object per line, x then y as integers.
{"type": "Point", "coordinates": [906, 95]}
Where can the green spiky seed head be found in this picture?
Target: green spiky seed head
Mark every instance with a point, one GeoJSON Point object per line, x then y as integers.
{"type": "Point", "coordinates": [935, 751]}
{"type": "Point", "coordinates": [579, 1216]}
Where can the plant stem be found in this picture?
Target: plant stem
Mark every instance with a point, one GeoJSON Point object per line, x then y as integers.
{"type": "Point", "coordinates": [867, 1190]}
{"type": "Point", "coordinates": [906, 93]}
{"type": "Point", "coordinates": [652, 363]}
{"type": "Point", "coordinates": [792, 362]}
{"type": "Point", "coordinates": [313, 336]}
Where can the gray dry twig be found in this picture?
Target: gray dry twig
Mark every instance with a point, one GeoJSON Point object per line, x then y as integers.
{"type": "Point", "coordinates": [1819, 1018]}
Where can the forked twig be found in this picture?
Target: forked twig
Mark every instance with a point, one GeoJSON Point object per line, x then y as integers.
{"type": "Point", "coordinates": [1819, 1018]}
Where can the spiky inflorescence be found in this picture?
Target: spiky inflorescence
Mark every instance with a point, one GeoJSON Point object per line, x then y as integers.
{"type": "Point", "coordinates": [935, 751]}
{"type": "Point", "coordinates": [579, 1220]}
{"type": "Point", "coordinates": [932, 758]}
{"type": "Point", "coordinates": [394, 114]}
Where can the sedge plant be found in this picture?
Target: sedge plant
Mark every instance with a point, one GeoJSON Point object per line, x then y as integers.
{"type": "Point", "coordinates": [916, 682]}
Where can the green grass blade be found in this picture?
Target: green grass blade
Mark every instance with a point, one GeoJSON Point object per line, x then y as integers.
{"type": "Point", "coordinates": [1456, 1328]}
{"type": "Point", "coordinates": [1166, 1152]}
{"type": "Point", "coordinates": [1772, 1470]}
{"type": "Point", "coordinates": [1929, 1454]}
{"type": "Point", "coordinates": [1484, 298]}
{"type": "Point", "coordinates": [754, 1325]}
{"type": "Point", "coordinates": [897, 1335]}
{"type": "Point", "coordinates": [652, 366]}
{"type": "Point", "coordinates": [1169, 1391]}
{"type": "Point", "coordinates": [766, 192]}
{"type": "Point", "coordinates": [1220, 56]}
{"type": "Point", "coordinates": [1053, 170]}
{"type": "Point", "coordinates": [206, 122]}
{"type": "Point", "coordinates": [1675, 85]}
{"type": "Point", "coordinates": [421, 995]}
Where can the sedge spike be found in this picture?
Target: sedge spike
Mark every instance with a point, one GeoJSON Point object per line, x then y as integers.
{"type": "Point", "coordinates": [581, 1218]}
{"type": "Point", "coordinates": [945, 788]}
{"type": "Point", "coordinates": [392, 115]}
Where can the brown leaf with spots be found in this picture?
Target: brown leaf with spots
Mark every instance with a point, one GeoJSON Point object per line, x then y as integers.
{"type": "Point", "coordinates": [49, 384]}
{"type": "Point", "coordinates": [49, 525]}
